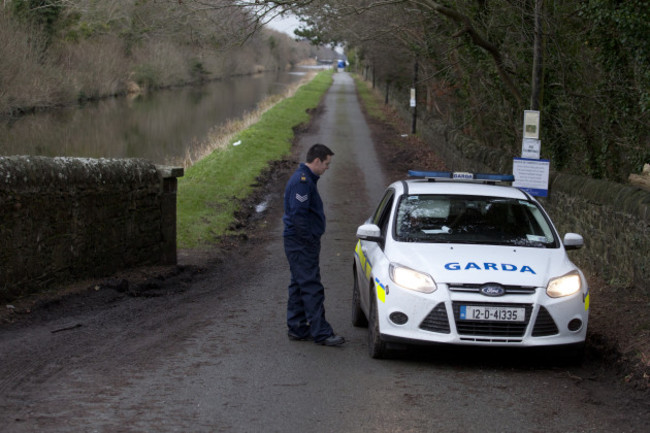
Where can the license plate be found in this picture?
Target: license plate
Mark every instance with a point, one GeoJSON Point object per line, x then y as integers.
{"type": "Point", "coordinates": [496, 314]}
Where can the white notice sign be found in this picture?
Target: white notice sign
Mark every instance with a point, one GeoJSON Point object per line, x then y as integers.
{"type": "Point", "coordinates": [412, 101]}
{"type": "Point", "coordinates": [531, 148]}
{"type": "Point", "coordinates": [531, 124]}
{"type": "Point", "coordinates": [531, 175]}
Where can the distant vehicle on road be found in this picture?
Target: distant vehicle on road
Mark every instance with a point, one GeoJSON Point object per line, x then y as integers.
{"type": "Point", "coordinates": [461, 258]}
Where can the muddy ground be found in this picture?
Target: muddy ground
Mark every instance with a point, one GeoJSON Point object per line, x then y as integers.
{"type": "Point", "coordinates": [617, 350]}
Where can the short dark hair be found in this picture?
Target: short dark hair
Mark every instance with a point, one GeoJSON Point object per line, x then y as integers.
{"type": "Point", "coordinates": [319, 151]}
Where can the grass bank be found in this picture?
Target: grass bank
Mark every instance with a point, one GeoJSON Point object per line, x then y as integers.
{"type": "Point", "coordinates": [209, 192]}
{"type": "Point", "coordinates": [370, 101]}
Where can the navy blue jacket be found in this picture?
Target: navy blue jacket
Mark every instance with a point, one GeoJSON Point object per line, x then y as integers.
{"type": "Point", "coordinates": [303, 208]}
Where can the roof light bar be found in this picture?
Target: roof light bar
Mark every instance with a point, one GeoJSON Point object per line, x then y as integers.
{"type": "Point", "coordinates": [460, 176]}
{"type": "Point", "coordinates": [495, 177]}
{"type": "Point", "coordinates": [430, 174]}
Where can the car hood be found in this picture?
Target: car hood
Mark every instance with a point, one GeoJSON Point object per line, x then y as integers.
{"type": "Point", "coordinates": [479, 264]}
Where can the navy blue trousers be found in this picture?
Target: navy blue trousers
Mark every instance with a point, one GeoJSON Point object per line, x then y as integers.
{"type": "Point", "coordinates": [305, 308]}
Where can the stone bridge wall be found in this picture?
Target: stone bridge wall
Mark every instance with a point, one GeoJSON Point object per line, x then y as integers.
{"type": "Point", "coordinates": [64, 219]}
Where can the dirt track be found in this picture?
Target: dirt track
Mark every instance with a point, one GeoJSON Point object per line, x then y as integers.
{"type": "Point", "coordinates": [203, 348]}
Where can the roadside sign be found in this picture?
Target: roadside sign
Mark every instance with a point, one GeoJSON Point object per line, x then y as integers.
{"type": "Point", "coordinates": [531, 175]}
{"type": "Point", "coordinates": [531, 148]}
{"type": "Point", "coordinates": [412, 101]}
{"type": "Point", "coordinates": [531, 124]}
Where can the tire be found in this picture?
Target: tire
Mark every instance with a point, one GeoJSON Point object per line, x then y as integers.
{"type": "Point", "coordinates": [358, 317]}
{"type": "Point", "coordinates": [376, 347]}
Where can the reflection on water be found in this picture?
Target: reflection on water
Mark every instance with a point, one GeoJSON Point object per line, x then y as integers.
{"type": "Point", "coordinates": [161, 126]}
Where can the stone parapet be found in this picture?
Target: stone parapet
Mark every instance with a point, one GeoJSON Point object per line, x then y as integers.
{"type": "Point", "coordinates": [65, 219]}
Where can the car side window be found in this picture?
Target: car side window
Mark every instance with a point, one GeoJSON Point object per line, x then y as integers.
{"type": "Point", "coordinates": [381, 209]}
{"type": "Point", "coordinates": [383, 213]}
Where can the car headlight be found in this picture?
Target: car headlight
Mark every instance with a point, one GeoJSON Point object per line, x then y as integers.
{"type": "Point", "coordinates": [564, 286]}
{"type": "Point", "coordinates": [412, 279]}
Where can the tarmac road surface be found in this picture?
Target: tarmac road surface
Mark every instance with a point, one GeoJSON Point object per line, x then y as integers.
{"type": "Point", "coordinates": [212, 355]}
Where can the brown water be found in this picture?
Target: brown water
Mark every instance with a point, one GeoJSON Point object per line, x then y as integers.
{"type": "Point", "coordinates": [161, 126]}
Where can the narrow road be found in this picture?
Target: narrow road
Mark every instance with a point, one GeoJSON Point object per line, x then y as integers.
{"type": "Point", "coordinates": [211, 354]}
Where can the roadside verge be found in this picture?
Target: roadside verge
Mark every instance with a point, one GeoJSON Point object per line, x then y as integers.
{"type": "Point", "coordinates": [210, 191]}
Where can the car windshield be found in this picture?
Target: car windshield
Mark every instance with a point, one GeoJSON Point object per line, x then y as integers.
{"type": "Point", "coordinates": [472, 220]}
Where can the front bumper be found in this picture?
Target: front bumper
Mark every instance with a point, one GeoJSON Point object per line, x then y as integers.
{"type": "Point", "coordinates": [436, 318]}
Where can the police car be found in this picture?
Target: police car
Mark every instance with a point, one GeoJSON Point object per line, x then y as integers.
{"type": "Point", "coordinates": [463, 259]}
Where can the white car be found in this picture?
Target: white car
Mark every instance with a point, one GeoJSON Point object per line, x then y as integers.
{"type": "Point", "coordinates": [456, 259]}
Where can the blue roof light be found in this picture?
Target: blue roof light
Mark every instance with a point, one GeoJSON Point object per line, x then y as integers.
{"type": "Point", "coordinates": [442, 174]}
{"type": "Point", "coordinates": [495, 177]}
{"type": "Point", "coordinates": [446, 175]}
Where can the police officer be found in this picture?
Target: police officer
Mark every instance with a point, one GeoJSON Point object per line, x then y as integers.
{"type": "Point", "coordinates": [304, 224]}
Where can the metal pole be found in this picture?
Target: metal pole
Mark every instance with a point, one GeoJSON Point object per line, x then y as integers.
{"type": "Point", "coordinates": [415, 107]}
{"type": "Point", "coordinates": [538, 62]}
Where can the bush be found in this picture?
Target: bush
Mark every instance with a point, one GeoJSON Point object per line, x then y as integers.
{"type": "Point", "coordinates": [146, 76]}
{"type": "Point", "coordinates": [28, 79]}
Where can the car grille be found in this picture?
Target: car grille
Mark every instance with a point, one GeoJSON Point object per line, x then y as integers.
{"type": "Point", "coordinates": [436, 320]}
{"type": "Point", "coordinates": [544, 324]}
{"type": "Point", "coordinates": [476, 288]}
{"type": "Point", "coordinates": [490, 328]}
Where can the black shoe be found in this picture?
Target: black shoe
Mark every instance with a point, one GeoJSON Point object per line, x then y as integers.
{"type": "Point", "coordinates": [294, 337]}
{"type": "Point", "coordinates": [332, 340]}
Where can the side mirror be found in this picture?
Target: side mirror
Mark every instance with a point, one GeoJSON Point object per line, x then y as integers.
{"type": "Point", "coordinates": [573, 241]}
{"type": "Point", "coordinates": [369, 232]}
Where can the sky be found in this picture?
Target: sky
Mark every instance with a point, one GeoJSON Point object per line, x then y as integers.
{"type": "Point", "coordinates": [286, 24]}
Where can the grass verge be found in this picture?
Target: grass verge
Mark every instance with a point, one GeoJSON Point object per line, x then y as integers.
{"type": "Point", "coordinates": [209, 192]}
{"type": "Point", "coordinates": [371, 101]}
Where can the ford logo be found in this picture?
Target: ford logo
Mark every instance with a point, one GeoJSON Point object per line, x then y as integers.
{"type": "Point", "coordinates": [493, 290]}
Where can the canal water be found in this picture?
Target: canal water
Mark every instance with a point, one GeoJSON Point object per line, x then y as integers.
{"type": "Point", "coordinates": [162, 126]}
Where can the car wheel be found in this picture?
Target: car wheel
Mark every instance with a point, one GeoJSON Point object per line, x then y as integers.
{"type": "Point", "coordinates": [376, 347]}
{"type": "Point", "coordinates": [358, 317]}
